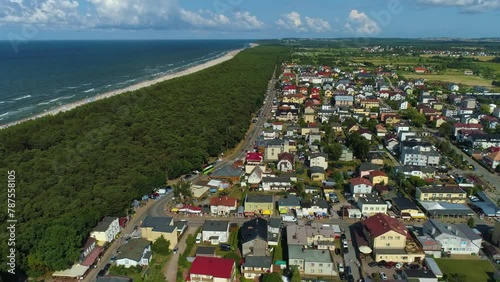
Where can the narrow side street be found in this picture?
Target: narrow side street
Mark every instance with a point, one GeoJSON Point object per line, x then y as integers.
{"type": "Point", "coordinates": [170, 269]}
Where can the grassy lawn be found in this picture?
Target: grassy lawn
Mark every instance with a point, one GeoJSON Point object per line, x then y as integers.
{"type": "Point", "coordinates": [481, 268]}
{"type": "Point", "coordinates": [278, 252]}
{"type": "Point", "coordinates": [453, 78]}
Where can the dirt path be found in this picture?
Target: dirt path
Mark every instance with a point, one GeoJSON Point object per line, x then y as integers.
{"type": "Point", "coordinates": [170, 270]}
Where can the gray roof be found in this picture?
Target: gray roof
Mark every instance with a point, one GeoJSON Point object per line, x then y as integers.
{"type": "Point", "coordinates": [216, 225]}
{"type": "Point", "coordinates": [275, 179]}
{"type": "Point", "coordinates": [419, 273]}
{"type": "Point", "coordinates": [252, 229]}
{"type": "Point", "coordinates": [275, 142]}
{"type": "Point", "coordinates": [371, 199]}
{"type": "Point", "coordinates": [159, 224]}
{"type": "Point", "coordinates": [104, 224]}
{"type": "Point", "coordinates": [441, 190]}
{"type": "Point", "coordinates": [259, 198]}
{"type": "Point", "coordinates": [275, 222]}
{"type": "Point", "coordinates": [404, 203]}
{"type": "Point", "coordinates": [368, 166]}
{"type": "Point", "coordinates": [133, 249]}
{"type": "Point", "coordinates": [459, 230]}
{"type": "Point", "coordinates": [257, 261]}
{"type": "Point", "coordinates": [289, 201]}
{"type": "Point", "coordinates": [309, 255]}
{"type": "Point", "coordinates": [180, 224]}
{"type": "Point", "coordinates": [317, 169]}
{"type": "Point", "coordinates": [205, 250]}
{"type": "Point", "coordinates": [227, 171]}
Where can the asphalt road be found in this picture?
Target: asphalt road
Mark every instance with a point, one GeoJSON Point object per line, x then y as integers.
{"type": "Point", "coordinates": [490, 178]}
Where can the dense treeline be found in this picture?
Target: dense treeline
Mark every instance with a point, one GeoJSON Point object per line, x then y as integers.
{"type": "Point", "coordinates": [74, 168]}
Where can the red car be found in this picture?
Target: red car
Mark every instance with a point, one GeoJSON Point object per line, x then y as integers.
{"type": "Point", "coordinates": [390, 264]}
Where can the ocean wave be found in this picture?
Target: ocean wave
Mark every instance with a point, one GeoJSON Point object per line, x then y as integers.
{"type": "Point", "coordinates": [24, 97]}
{"type": "Point", "coordinates": [86, 84]}
{"type": "Point", "coordinates": [43, 103]}
{"type": "Point", "coordinates": [68, 97]}
{"type": "Point", "coordinates": [7, 113]}
{"type": "Point", "coordinates": [90, 90]}
{"type": "Point", "coordinates": [109, 85]}
{"type": "Point", "coordinates": [54, 100]}
{"type": "Point", "coordinates": [3, 102]}
{"type": "Point", "coordinates": [73, 87]}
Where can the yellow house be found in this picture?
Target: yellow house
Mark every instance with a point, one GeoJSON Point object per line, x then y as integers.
{"type": "Point", "coordinates": [337, 127]}
{"type": "Point", "coordinates": [309, 118]}
{"type": "Point", "coordinates": [440, 122]}
{"type": "Point", "coordinates": [437, 106]}
{"type": "Point", "coordinates": [379, 177]}
{"type": "Point", "coordinates": [293, 98]}
{"type": "Point", "coordinates": [259, 204]}
{"type": "Point", "coordinates": [153, 228]}
{"type": "Point", "coordinates": [353, 128]}
{"type": "Point", "coordinates": [328, 93]}
{"type": "Point", "coordinates": [390, 240]}
{"type": "Point", "coordinates": [361, 112]}
{"type": "Point", "coordinates": [317, 173]}
{"type": "Point", "coordinates": [369, 103]}
{"type": "Point", "coordinates": [441, 194]}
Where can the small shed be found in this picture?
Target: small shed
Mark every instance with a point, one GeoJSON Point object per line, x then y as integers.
{"type": "Point", "coordinates": [354, 213]}
{"type": "Point", "coordinates": [432, 265]}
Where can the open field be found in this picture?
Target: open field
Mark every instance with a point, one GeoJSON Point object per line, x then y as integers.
{"type": "Point", "coordinates": [453, 78]}
{"type": "Point", "coordinates": [483, 269]}
{"type": "Point", "coordinates": [480, 58]}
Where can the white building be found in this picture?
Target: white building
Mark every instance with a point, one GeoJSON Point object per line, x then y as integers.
{"type": "Point", "coordinates": [215, 231]}
{"type": "Point", "coordinates": [455, 239]}
{"type": "Point", "coordinates": [135, 252]}
{"type": "Point", "coordinates": [106, 230]}
{"type": "Point", "coordinates": [370, 204]}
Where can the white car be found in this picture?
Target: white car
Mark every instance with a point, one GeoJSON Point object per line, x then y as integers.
{"type": "Point", "coordinates": [383, 276]}
{"type": "Point", "coordinates": [398, 265]}
{"type": "Point", "coordinates": [345, 245]}
{"type": "Point", "coordinates": [341, 267]}
{"type": "Point", "coordinates": [198, 238]}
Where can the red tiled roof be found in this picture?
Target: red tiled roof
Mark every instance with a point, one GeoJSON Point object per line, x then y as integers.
{"type": "Point", "coordinates": [90, 259]}
{"type": "Point", "coordinates": [254, 157]}
{"type": "Point", "coordinates": [223, 201]}
{"type": "Point", "coordinates": [213, 267]}
{"type": "Point", "coordinates": [380, 224]}
{"type": "Point", "coordinates": [359, 181]}
{"type": "Point", "coordinates": [376, 173]}
{"type": "Point", "coordinates": [467, 125]}
{"type": "Point", "coordinates": [494, 156]}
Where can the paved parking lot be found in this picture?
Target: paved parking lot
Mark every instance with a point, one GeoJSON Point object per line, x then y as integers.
{"type": "Point", "coordinates": [369, 270]}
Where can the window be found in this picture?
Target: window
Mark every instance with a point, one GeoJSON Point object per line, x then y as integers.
{"type": "Point", "coordinates": [321, 265]}
{"type": "Point", "coordinates": [382, 237]}
{"type": "Point", "coordinates": [397, 237]}
{"type": "Point", "coordinates": [388, 244]}
{"type": "Point", "coordinates": [389, 238]}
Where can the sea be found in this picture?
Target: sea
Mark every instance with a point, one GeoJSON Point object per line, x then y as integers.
{"type": "Point", "coordinates": [38, 76]}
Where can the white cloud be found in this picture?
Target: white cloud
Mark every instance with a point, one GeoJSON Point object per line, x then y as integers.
{"type": "Point", "coordinates": [360, 23]}
{"type": "Point", "coordinates": [293, 21]}
{"type": "Point", "coordinates": [468, 6]}
{"type": "Point", "coordinates": [123, 14]}
{"type": "Point", "coordinates": [48, 12]}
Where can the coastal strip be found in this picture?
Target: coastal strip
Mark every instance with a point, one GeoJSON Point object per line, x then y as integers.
{"type": "Point", "coordinates": [70, 106]}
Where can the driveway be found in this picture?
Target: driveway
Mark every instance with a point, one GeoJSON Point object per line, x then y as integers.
{"type": "Point", "coordinates": [170, 270]}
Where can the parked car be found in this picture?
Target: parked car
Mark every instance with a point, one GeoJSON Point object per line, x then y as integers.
{"type": "Point", "coordinates": [337, 251]}
{"type": "Point", "coordinates": [198, 238]}
{"type": "Point", "coordinates": [381, 263]}
{"type": "Point", "coordinates": [345, 245]}
{"type": "Point", "coordinates": [341, 268]}
{"type": "Point", "coordinates": [113, 258]}
{"type": "Point", "coordinates": [102, 272]}
{"type": "Point", "coordinates": [346, 250]}
{"type": "Point", "coordinates": [343, 237]}
{"type": "Point", "coordinates": [350, 278]}
{"type": "Point", "coordinates": [383, 276]}
{"type": "Point", "coordinates": [372, 264]}
{"type": "Point", "coordinates": [398, 277]}
{"type": "Point", "coordinates": [225, 247]}
{"type": "Point", "coordinates": [348, 270]}
{"type": "Point", "coordinates": [399, 265]}
{"type": "Point", "coordinates": [390, 264]}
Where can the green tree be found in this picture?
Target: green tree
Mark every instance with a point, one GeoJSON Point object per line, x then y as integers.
{"type": "Point", "coordinates": [471, 222]}
{"type": "Point", "coordinates": [295, 274]}
{"type": "Point", "coordinates": [161, 246]}
{"type": "Point", "coordinates": [334, 151]}
{"type": "Point", "coordinates": [234, 257]}
{"type": "Point", "coordinates": [272, 277]}
{"type": "Point", "coordinates": [446, 129]}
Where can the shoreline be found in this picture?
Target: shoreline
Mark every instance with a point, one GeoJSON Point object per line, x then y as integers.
{"type": "Point", "coordinates": [67, 107]}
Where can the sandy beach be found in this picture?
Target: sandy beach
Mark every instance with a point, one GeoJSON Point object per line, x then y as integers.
{"type": "Point", "coordinates": [134, 87]}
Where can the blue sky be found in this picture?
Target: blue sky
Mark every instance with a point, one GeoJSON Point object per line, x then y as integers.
{"type": "Point", "coordinates": [245, 19]}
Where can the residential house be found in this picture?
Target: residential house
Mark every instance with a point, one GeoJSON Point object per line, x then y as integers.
{"type": "Point", "coordinates": [153, 228]}
{"type": "Point", "coordinates": [255, 266]}
{"type": "Point", "coordinates": [317, 173]}
{"type": "Point", "coordinates": [288, 203]}
{"type": "Point", "coordinates": [347, 154]}
{"type": "Point", "coordinates": [215, 231]}
{"type": "Point", "coordinates": [380, 130]}
{"type": "Point", "coordinates": [344, 100]}
{"type": "Point", "coordinates": [253, 237]}
{"type": "Point", "coordinates": [310, 129]}
{"type": "Point", "coordinates": [370, 204]}
{"type": "Point", "coordinates": [378, 177]}
{"type": "Point", "coordinates": [423, 172]}
{"type": "Point", "coordinates": [311, 261]}
{"type": "Point", "coordinates": [441, 194]}
{"type": "Point", "coordinates": [390, 142]}
{"type": "Point", "coordinates": [255, 177]}
{"type": "Point", "coordinates": [212, 269]}
{"type": "Point", "coordinates": [390, 240]}
{"type": "Point", "coordinates": [483, 140]}
{"type": "Point", "coordinates": [376, 157]}
{"type": "Point", "coordinates": [365, 168]}
{"type": "Point", "coordinates": [276, 183]}
{"type": "Point", "coordinates": [419, 153]}
{"type": "Point", "coordinates": [205, 251]}
{"type": "Point", "coordinates": [273, 231]}
{"type": "Point", "coordinates": [337, 127]}
{"type": "Point", "coordinates": [135, 252]}
{"type": "Point", "coordinates": [286, 162]}
{"type": "Point", "coordinates": [223, 205]}
{"type": "Point", "coordinates": [360, 185]}
{"type": "Point", "coordinates": [369, 103]}
{"type": "Point", "coordinates": [259, 204]}
{"type": "Point", "coordinates": [273, 149]}
{"type": "Point", "coordinates": [321, 236]}
{"type": "Point", "coordinates": [230, 172]}
{"type": "Point", "coordinates": [253, 160]}
{"type": "Point", "coordinates": [106, 230]}
{"type": "Point", "coordinates": [454, 238]}
{"type": "Point", "coordinates": [468, 126]}
{"type": "Point", "coordinates": [90, 252]}
{"type": "Point", "coordinates": [315, 207]}
{"type": "Point", "coordinates": [419, 275]}
{"type": "Point", "coordinates": [406, 209]}
{"type": "Point", "coordinates": [318, 160]}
